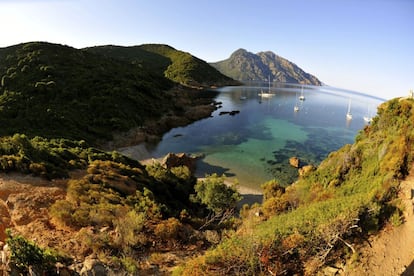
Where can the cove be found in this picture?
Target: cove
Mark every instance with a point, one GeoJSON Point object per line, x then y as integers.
{"type": "Point", "coordinates": [255, 144]}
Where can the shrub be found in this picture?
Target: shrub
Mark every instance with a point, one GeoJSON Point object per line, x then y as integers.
{"type": "Point", "coordinates": [168, 229]}
{"type": "Point", "coordinates": [25, 254]}
{"type": "Point", "coordinates": [128, 230]}
{"type": "Point", "coordinates": [215, 194]}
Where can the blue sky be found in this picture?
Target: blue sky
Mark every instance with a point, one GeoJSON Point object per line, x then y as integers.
{"type": "Point", "coordinates": [365, 45]}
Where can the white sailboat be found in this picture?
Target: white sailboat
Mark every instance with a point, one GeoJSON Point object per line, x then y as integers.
{"type": "Point", "coordinates": [368, 117]}
{"type": "Point", "coordinates": [296, 107]}
{"type": "Point", "coordinates": [349, 114]}
{"type": "Point", "coordinates": [266, 94]}
{"type": "Point", "coordinates": [301, 97]}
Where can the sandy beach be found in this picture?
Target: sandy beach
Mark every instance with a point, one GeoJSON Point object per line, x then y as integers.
{"type": "Point", "coordinates": [140, 153]}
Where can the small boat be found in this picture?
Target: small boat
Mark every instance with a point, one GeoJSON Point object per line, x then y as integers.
{"type": "Point", "coordinates": [243, 98]}
{"type": "Point", "coordinates": [349, 114]}
{"type": "Point", "coordinates": [296, 108]}
{"type": "Point", "coordinates": [301, 97]}
{"type": "Point", "coordinates": [266, 95]}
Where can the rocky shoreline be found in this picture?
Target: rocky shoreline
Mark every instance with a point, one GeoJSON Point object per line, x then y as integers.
{"type": "Point", "coordinates": [188, 106]}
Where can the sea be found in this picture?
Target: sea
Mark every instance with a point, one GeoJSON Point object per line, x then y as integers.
{"type": "Point", "coordinates": [253, 145]}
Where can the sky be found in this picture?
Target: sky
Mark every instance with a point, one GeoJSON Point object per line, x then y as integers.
{"type": "Point", "coordinates": [365, 46]}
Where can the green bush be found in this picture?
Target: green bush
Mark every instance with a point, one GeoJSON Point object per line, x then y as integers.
{"type": "Point", "coordinates": [25, 255]}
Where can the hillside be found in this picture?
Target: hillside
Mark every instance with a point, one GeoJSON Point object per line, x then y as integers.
{"type": "Point", "coordinates": [57, 91]}
{"type": "Point", "coordinates": [246, 66]}
{"type": "Point", "coordinates": [175, 65]}
{"type": "Point", "coordinates": [114, 212]}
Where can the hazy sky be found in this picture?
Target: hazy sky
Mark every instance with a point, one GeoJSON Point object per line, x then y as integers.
{"type": "Point", "coordinates": [361, 45]}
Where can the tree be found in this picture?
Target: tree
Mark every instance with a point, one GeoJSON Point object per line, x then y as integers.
{"type": "Point", "coordinates": [219, 198]}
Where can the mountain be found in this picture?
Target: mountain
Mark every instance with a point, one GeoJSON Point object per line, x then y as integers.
{"type": "Point", "coordinates": [177, 66]}
{"type": "Point", "coordinates": [246, 66]}
{"type": "Point", "coordinates": [57, 91]}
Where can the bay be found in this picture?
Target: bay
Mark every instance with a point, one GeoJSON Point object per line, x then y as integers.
{"type": "Point", "coordinates": [254, 145]}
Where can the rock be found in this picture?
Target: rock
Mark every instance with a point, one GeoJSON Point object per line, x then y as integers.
{"type": "Point", "coordinates": [330, 271]}
{"type": "Point", "coordinates": [172, 160]}
{"type": "Point", "coordinates": [294, 162]}
{"type": "Point", "coordinates": [93, 267]}
{"type": "Point", "coordinates": [234, 112]}
{"type": "Point", "coordinates": [305, 170]}
{"type": "Point", "coordinates": [231, 113]}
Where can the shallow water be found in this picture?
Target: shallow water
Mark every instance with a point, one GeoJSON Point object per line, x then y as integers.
{"type": "Point", "coordinates": [255, 145]}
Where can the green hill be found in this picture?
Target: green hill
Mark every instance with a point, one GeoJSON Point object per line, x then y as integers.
{"type": "Point", "coordinates": [246, 66]}
{"type": "Point", "coordinates": [52, 90]}
{"type": "Point", "coordinates": [57, 91]}
{"type": "Point", "coordinates": [177, 66]}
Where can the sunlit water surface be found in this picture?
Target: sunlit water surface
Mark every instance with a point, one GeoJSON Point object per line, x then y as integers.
{"type": "Point", "coordinates": [255, 145]}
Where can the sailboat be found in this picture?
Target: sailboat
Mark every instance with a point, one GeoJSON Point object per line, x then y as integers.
{"type": "Point", "coordinates": [266, 94]}
{"type": "Point", "coordinates": [368, 118]}
{"type": "Point", "coordinates": [301, 97]}
{"type": "Point", "coordinates": [296, 107]}
{"type": "Point", "coordinates": [349, 114]}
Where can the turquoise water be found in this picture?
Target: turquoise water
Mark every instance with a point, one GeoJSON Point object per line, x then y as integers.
{"type": "Point", "coordinates": [255, 145]}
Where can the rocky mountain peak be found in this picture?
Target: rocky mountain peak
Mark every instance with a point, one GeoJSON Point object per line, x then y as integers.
{"type": "Point", "coordinates": [243, 65]}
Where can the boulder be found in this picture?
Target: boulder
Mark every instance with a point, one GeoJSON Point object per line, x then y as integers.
{"type": "Point", "coordinates": [172, 160]}
{"type": "Point", "coordinates": [294, 162]}
{"type": "Point", "coordinates": [305, 170]}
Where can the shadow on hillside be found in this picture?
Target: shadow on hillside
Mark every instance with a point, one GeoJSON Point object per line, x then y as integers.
{"type": "Point", "coordinates": [204, 168]}
{"type": "Point", "coordinates": [409, 271]}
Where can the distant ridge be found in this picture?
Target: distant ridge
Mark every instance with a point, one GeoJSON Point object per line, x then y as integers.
{"type": "Point", "coordinates": [175, 65]}
{"type": "Point", "coordinates": [246, 66]}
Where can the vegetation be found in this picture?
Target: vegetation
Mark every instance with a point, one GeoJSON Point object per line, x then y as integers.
{"type": "Point", "coordinates": [220, 199]}
{"type": "Point", "coordinates": [318, 220]}
{"type": "Point", "coordinates": [141, 212]}
{"type": "Point", "coordinates": [50, 158]}
{"type": "Point", "coordinates": [27, 258]}
{"type": "Point", "coordinates": [57, 91]}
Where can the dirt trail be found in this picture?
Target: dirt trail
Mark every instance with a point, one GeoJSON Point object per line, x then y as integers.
{"type": "Point", "coordinates": [392, 251]}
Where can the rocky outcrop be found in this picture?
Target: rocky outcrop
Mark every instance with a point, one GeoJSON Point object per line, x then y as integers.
{"type": "Point", "coordinates": [305, 170]}
{"type": "Point", "coordinates": [172, 160]}
{"type": "Point", "coordinates": [294, 162]}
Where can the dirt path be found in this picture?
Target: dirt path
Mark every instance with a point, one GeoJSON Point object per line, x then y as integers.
{"type": "Point", "coordinates": [392, 251]}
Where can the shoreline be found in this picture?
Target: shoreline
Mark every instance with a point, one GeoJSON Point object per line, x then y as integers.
{"type": "Point", "coordinates": [139, 152]}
